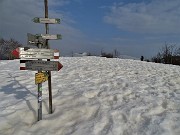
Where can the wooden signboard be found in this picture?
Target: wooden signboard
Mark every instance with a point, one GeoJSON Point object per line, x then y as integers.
{"type": "Point", "coordinates": [35, 53]}
{"type": "Point", "coordinates": [46, 20]}
{"type": "Point", "coordinates": [51, 37]}
{"type": "Point", "coordinates": [36, 65]}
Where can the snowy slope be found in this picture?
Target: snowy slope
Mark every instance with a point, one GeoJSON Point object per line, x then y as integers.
{"type": "Point", "coordinates": [93, 96]}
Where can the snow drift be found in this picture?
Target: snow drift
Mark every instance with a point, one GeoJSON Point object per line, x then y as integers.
{"type": "Point", "coordinates": [93, 96]}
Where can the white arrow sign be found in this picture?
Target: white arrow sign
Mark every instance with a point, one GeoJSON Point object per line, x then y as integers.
{"type": "Point", "coordinates": [46, 20]}
{"type": "Point", "coordinates": [48, 36]}
{"type": "Point", "coordinates": [36, 53]}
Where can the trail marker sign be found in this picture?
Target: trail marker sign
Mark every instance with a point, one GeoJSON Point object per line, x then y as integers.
{"type": "Point", "coordinates": [41, 77]}
{"type": "Point", "coordinates": [41, 41]}
{"type": "Point", "coordinates": [46, 20]}
{"type": "Point", "coordinates": [43, 65]}
{"type": "Point", "coordinates": [35, 53]}
{"type": "Point", "coordinates": [48, 36]}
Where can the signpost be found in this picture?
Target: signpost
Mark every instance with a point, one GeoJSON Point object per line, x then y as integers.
{"type": "Point", "coordinates": [41, 41]}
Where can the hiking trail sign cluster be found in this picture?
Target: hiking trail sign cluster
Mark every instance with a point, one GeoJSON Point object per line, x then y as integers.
{"type": "Point", "coordinates": [33, 58]}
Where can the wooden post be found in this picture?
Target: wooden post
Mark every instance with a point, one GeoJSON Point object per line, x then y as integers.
{"type": "Point", "coordinates": [47, 45]}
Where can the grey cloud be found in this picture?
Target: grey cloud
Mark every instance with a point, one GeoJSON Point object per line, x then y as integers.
{"type": "Point", "coordinates": [160, 16]}
{"type": "Point", "coordinates": [16, 21]}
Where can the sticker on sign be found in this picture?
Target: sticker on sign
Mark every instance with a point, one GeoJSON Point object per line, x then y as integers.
{"type": "Point", "coordinates": [40, 77]}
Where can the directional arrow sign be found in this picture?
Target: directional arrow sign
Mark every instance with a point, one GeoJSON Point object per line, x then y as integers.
{"type": "Point", "coordinates": [35, 39]}
{"type": "Point", "coordinates": [46, 20]}
{"type": "Point", "coordinates": [35, 53]}
{"type": "Point", "coordinates": [43, 65]}
{"type": "Point", "coordinates": [48, 36]}
{"type": "Point", "coordinates": [41, 77]}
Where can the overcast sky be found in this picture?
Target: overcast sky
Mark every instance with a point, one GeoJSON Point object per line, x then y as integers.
{"type": "Point", "coordinates": [133, 27]}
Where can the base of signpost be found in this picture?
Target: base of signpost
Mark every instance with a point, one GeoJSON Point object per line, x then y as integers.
{"type": "Point", "coordinates": [50, 93]}
{"type": "Point", "coordinates": [39, 101]}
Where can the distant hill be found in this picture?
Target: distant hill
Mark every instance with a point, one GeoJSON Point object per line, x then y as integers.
{"type": "Point", "coordinates": [128, 57]}
{"type": "Point", "coordinates": [121, 56]}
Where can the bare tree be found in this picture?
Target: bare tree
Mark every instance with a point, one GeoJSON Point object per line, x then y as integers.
{"type": "Point", "coordinates": [177, 52]}
{"type": "Point", "coordinates": [116, 53]}
{"type": "Point", "coordinates": [166, 55]}
{"type": "Point", "coordinates": [157, 58]}
{"type": "Point", "coordinates": [6, 47]}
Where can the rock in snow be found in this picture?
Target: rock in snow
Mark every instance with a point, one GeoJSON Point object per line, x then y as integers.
{"type": "Point", "coordinates": [93, 96]}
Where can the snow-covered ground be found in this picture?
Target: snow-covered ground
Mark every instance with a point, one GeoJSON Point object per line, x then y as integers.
{"type": "Point", "coordinates": [93, 96]}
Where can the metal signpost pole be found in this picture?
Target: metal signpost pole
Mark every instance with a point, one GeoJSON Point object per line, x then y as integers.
{"type": "Point", "coordinates": [39, 95]}
{"type": "Point", "coordinates": [49, 72]}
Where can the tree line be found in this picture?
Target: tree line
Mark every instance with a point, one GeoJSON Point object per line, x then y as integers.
{"type": "Point", "coordinates": [168, 54]}
{"type": "Point", "coordinates": [6, 47]}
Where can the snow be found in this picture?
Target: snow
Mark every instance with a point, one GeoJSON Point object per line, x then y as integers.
{"type": "Point", "coordinates": [93, 96]}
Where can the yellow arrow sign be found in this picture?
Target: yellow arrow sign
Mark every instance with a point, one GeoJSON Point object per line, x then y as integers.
{"type": "Point", "coordinates": [40, 77]}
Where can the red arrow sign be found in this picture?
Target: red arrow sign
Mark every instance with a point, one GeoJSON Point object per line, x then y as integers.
{"type": "Point", "coordinates": [59, 66]}
{"type": "Point", "coordinates": [40, 65]}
